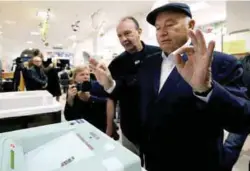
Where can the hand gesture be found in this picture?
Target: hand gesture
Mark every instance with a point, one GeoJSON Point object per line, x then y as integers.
{"type": "Point", "coordinates": [196, 71]}
{"type": "Point", "coordinates": [102, 73]}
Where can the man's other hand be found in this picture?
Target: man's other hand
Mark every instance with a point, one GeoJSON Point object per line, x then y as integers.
{"type": "Point", "coordinates": [102, 73]}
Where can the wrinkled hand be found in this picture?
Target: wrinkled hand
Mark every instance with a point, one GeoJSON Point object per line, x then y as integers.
{"type": "Point", "coordinates": [196, 71]}
{"type": "Point", "coordinates": [102, 73]}
{"type": "Point", "coordinates": [84, 96]}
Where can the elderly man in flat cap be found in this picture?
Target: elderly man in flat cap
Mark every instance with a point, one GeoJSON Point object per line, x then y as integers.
{"type": "Point", "coordinates": [189, 94]}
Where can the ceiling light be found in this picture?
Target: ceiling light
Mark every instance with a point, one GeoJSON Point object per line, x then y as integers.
{"type": "Point", "coordinates": [73, 37]}
{"type": "Point", "coordinates": [29, 42]}
{"type": "Point", "coordinates": [35, 33]}
{"type": "Point", "coordinates": [44, 14]}
{"type": "Point", "coordinates": [198, 6]}
{"type": "Point", "coordinates": [9, 22]}
{"type": "Point", "coordinates": [58, 46]}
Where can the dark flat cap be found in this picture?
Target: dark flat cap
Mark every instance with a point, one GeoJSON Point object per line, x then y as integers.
{"type": "Point", "coordinates": [174, 6]}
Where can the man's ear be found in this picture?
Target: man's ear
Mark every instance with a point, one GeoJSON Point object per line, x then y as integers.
{"type": "Point", "coordinates": [191, 24]}
{"type": "Point", "coordinates": [139, 31]}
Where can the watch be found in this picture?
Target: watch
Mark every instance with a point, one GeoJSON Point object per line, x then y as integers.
{"type": "Point", "coordinates": [205, 93]}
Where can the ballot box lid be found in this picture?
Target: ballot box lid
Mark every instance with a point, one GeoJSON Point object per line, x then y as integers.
{"type": "Point", "coordinates": [17, 104]}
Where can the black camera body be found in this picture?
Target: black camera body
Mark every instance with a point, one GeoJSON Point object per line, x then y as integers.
{"type": "Point", "coordinates": [84, 87]}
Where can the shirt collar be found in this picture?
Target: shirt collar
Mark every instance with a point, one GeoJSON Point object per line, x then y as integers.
{"type": "Point", "coordinates": [143, 49]}
{"type": "Point", "coordinates": [171, 55]}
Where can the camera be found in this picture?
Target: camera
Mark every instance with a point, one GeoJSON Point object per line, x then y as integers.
{"type": "Point", "coordinates": [84, 87]}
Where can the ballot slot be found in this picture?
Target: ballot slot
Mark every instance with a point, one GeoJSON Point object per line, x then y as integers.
{"type": "Point", "coordinates": [33, 142]}
{"type": "Point", "coordinates": [59, 152]}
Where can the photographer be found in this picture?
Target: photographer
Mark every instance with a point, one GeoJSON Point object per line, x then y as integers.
{"type": "Point", "coordinates": [86, 99]}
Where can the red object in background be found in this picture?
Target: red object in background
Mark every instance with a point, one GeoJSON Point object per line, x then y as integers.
{"type": "Point", "coordinates": [12, 146]}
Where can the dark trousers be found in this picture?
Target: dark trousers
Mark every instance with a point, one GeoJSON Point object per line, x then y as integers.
{"type": "Point", "coordinates": [232, 148]}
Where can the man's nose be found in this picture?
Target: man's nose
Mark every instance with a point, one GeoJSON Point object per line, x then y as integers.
{"type": "Point", "coordinates": [123, 38]}
{"type": "Point", "coordinates": [163, 32]}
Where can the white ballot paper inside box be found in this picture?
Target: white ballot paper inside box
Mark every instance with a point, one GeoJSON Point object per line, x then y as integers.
{"type": "Point", "coordinates": [66, 149]}
{"type": "Point", "coordinates": [67, 146]}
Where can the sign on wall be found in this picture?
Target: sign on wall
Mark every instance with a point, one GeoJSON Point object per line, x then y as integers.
{"type": "Point", "coordinates": [237, 43]}
{"type": "Point", "coordinates": [59, 54]}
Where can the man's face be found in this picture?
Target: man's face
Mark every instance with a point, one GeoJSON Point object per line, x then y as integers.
{"type": "Point", "coordinates": [128, 35]}
{"type": "Point", "coordinates": [37, 61]}
{"type": "Point", "coordinates": [172, 30]}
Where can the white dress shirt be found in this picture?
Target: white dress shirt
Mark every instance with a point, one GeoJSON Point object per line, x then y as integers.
{"type": "Point", "coordinates": [167, 67]}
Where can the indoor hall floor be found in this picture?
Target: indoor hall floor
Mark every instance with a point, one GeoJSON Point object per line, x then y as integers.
{"type": "Point", "coordinates": [241, 165]}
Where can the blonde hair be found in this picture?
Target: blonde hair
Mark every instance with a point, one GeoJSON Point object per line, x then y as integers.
{"type": "Point", "coordinates": [79, 69]}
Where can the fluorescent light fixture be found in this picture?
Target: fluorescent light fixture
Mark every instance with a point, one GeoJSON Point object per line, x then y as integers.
{"type": "Point", "coordinates": [74, 45]}
{"type": "Point", "coordinates": [9, 22]}
{"type": "Point", "coordinates": [29, 42]}
{"type": "Point", "coordinates": [44, 14]}
{"type": "Point", "coordinates": [199, 6]}
{"type": "Point", "coordinates": [58, 45]}
{"type": "Point", "coordinates": [73, 37]}
{"type": "Point", "coordinates": [34, 33]}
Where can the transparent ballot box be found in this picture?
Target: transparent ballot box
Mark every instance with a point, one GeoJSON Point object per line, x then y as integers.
{"type": "Point", "coordinates": [20, 110]}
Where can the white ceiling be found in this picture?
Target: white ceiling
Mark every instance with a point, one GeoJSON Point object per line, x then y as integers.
{"type": "Point", "coordinates": [206, 12]}
{"type": "Point", "coordinates": [15, 36]}
{"type": "Point", "coordinates": [214, 11]}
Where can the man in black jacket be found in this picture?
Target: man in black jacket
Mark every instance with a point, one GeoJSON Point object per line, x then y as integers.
{"type": "Point", "coordinates": [124, 69]}
{"type": "Point", "coordinates": [37, 78]}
